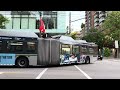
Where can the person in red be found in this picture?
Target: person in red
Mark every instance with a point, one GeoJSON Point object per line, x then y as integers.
{"type": "Point", "coordinates": [42, 28]}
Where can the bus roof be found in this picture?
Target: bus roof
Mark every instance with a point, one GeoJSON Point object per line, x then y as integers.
{"type": "Point", "coordinates": [67, 40]}
{"type": "Point", "coordinates": [81, 41]}
{"type": "Point", "coordinates": [16, 33]}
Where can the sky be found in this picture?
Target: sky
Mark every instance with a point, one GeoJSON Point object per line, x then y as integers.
{"type": "Point", "coordinates": [76, 26]}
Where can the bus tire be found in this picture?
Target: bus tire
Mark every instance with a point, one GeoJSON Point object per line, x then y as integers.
{"type": "Point", "coordinates": [87, 60]}
{"type": "Point", "coordinates": [22, 62]}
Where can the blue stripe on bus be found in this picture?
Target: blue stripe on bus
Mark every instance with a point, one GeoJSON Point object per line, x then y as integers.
{"type": "Point", "coordinates": [7, 58]}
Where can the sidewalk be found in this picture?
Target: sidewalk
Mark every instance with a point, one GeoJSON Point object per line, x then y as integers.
{"type": "Point", "coordinates": [111, 59]}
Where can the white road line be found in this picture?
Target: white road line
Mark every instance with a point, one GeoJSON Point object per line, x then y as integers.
{"type": "Point", "coordinates": [83, 72]}
{"type": "Point", "coordinates": [1, 72]}
{"type": "Point", "coordinates": [40, 75]}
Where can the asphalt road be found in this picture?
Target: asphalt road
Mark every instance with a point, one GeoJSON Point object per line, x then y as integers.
{"type": "Point", "coordinates": [106, 69]}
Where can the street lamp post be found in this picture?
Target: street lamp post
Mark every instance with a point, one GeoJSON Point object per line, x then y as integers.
{"type": "Point", "coordinates": [20, 18]}
{"type": "Point", "coordinates": [70, 22]}
{"type": "Point", "coordinates": [40, 13]}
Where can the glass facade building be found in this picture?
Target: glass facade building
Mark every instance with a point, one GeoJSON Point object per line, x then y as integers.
{"type": "Point", "coordinates": [55, 21]}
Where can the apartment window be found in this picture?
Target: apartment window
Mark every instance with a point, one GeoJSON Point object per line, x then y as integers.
{"type": "Point", "coordinates": [37, 24]}
{"type": "Point", "coordinates": [22, 20]}
{"type": "Point", "coordinates": [50, 19]}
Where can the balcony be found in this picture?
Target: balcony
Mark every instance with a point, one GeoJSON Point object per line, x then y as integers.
{"type": "Point", "coordinates": [100, 23]}
{"type": "Point", "coordinates": [102, 15]}
{"type": "Point", "coordinates": [89, 12]}
{"type": "Point", "coordinates": [96, 24]}
{"type": "Point", "coordinates": [96, 16]}
{"type": "Point", "coordinates": [96, 20]}
{"type": "Point", "coordinates": [101, 19]}
{"type": "Point", "coordinates": [97, 12]}
{"type": "Point", "coordinates": [86, 14]}
{"type": "Point", "coordinates": [102, 12]}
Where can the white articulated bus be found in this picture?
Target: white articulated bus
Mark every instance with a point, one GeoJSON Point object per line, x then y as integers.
{"type": "Point", "coordinates": [23, 49]}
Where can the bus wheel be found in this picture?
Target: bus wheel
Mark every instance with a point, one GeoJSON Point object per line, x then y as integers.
{"type": "Point", "coordinates": [87, 60]}
{"type": "Point", "coordinates": [22, 62]}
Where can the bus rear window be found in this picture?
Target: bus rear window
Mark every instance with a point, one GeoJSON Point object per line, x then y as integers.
{"type": "Point", "coordinates": [91, 50]}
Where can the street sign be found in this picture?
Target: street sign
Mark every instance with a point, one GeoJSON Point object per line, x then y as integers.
{"type": "Point", "coordinates": [116, 43]}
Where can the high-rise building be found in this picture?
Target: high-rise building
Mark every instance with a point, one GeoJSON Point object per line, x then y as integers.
{"type": "Point", "coordinates": [102, 16]}
{"type": "Point", "coordinates": [96, 19]}
{"type": "Point", "coordinates": [86, 21]}
{"type": "Point", "coordinates": [89, 20]}
{"type": "Point", "coordinates": [99, 17]}
{"type": "Point", "coordinates": [92, 19]}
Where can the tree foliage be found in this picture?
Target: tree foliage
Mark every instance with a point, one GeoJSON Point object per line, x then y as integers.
{"type": "Point", "coordinates": [82, 25]}
{"type": "Point", "coordinates": [3, 21]}
{"type": "Point", "coordinates": [95, 36]}
{"type": "Point", "coordinates": [107, 52]}
{"type": "Point", "coordinates": [73, 35]}
{"type": "Point", "coordinates": [111, 26]}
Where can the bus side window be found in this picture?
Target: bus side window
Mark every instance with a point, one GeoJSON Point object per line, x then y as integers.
{"type": "Point", "coordinates": [15, 46]}
{"type": "Point", "coordinates": [31, 46]}
{"type": "Point", "coordinates": [0, 46]}
{"type": "Point", "coordinates": [84, 49]}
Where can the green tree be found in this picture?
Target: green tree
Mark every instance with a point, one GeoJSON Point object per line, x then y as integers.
{"type": "Point", "coordinates": [82, 25]}
{"type": "Point", "coordinates": [94, 35]}
{"type": "Point", "coordinates": [73, 35]}
{"type": "Point", "coordinates": [3, 21]}
{"type": "Point", "coordinates": [111, 26]}
{"type": "Point", "coordinates": [107, 52]}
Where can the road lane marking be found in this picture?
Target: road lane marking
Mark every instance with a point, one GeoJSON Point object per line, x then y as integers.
{"type": "Point", "coordinates": [83, 72]}
{"type": "Point", "coordinates": [13, 72]}
{"type": "Point", "coordinates": [1, 72]}
{"type": "Point", "coordinates": [40, 75]}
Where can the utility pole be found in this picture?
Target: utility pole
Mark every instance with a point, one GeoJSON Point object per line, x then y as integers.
{"type": "Point", "coordinates": [69, 22]}
{"type": "Point", "coordinates": [39, 23]}
{"type": "Point", "coordinates": [117, 48]}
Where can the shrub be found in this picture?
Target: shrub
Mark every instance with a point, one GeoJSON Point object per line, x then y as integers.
{"type": "Point", "coordinates": [107, 52]}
